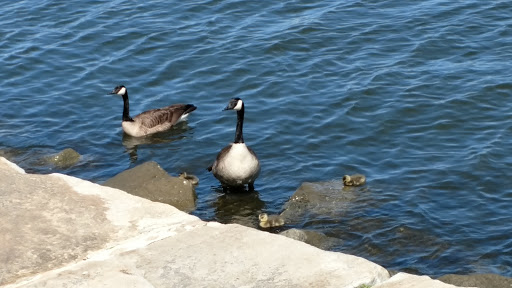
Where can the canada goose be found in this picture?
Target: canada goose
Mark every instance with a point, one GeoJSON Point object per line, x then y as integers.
{"type": "Point", "coordinates": [151, 121]}
{"type": "Point", "coordinates": [354, 180]}
{"type": "Point", "coordinates": [267, 221]}
{"type": "Point", "coordinates": [190, 178]}
{"type": "Point", "coordinates": [236, 164]}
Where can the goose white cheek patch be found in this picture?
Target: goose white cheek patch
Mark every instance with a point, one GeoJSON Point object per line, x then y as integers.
{"type": "Point", "coordinates": [121, 91]}
{"type": "Point", "coordinates": [238, 105]}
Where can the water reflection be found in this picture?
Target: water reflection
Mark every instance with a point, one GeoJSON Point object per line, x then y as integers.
{"type": "Point", "coordinates": [236, 207]}
{"type": "Point", "coordinates": [131, 143]}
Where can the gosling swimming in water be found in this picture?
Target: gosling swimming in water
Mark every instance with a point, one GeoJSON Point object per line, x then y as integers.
{"type": "Point", "coordinates": [189, 177]}
{"type": "Point", "coordinates": [267, 221]}
{"type": "Point", "coordinates": [354, 180]}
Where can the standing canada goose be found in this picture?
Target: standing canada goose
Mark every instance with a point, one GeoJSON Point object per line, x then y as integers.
{"type": "Point", "coordinates": [151, 121]}
{"type": "Point", "coordinates": [236, 164]}
{"type": "Point", "coordinates": [354, 180]}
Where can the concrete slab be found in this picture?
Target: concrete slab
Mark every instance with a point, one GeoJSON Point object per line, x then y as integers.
{"type": "Point", "coordinates": [61, 231]}
{"type": "Point", "coordinates": [401, 280]}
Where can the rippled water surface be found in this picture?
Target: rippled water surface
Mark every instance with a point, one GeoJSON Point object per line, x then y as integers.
{"type": "Point", "coordinates": [416, 96]}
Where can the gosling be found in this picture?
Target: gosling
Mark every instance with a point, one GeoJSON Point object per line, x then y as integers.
{"type": "Point", "coordinates": [354, 180]}
{"type": "Point", "coordinates": [190, 178]}
{"type": "Point", "coordinates": [267, 221]}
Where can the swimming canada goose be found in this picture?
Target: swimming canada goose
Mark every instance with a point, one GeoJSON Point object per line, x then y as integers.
{"type": "Point", "coordinates": [267, 221]}
{"type": "Point", "coordinates": [151, 121]}
{"type": "Point", "coordinates": [236, 164]}
{"type": "Point", "coordinates": [354, 180]}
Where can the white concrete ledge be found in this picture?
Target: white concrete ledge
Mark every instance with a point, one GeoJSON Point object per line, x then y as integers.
{"type": "Point", "coordinates": [61, 231]}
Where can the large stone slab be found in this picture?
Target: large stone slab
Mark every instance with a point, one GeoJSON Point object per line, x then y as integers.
{"type": "Point", "coordinates": [48, 221]}
{"type": "Point", "coordinates": [216, 255]}
{"type": "Point", "coordinates": [80, 234]}
{"type": "Point", "coordinates": [39, 223]}
{"type": "Point", "coordinates": [61, 231]}
{"type": "Point", "coordinates": [402, 280]}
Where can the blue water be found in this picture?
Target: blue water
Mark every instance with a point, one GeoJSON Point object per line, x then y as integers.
{"type": "Point", "coordinates": [416, 96]}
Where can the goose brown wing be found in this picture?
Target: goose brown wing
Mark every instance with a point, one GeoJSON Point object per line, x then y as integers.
{"type": "Point", "coordinates": [167, 115]}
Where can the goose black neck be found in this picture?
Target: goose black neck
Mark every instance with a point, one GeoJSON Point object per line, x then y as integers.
{"type": "Point", "coordinates": [126, 108]}
{"type": "Point", "coordinates": [239, 137]}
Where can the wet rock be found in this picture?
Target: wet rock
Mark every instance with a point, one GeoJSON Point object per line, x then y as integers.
{"type": "Point", "coordinates": [150, 181]}
{"type": "Point", "coordinates": [319, 198]}
{"type": "Point", "coordinates": [65, 159]}
{"type": "Point", "coordinates": [478, 280]}
{"type": "Point", "coordinates": [238, 208]}
{"type": "Point", "coordinates": [9, 153]}
{"type": "Point", "coordinates": [313, 238]}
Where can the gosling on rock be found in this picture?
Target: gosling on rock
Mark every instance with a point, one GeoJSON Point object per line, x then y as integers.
{"type": "Point", "coordinates": [267, 221]}
{"type": "Point", "coordinates": [192, 179]}
{"type": "Point", "coordinates": [354, 180]}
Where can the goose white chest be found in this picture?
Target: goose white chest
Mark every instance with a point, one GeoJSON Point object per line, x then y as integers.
{"type": "Point", "coordinates": [238, 166]}
{"type": "Point", "coordinates": [132, 128]}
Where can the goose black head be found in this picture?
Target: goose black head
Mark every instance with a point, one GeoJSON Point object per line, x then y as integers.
{"type": "Point", "coordinates": [119, 90]}
{"type": "Point", "coordinates": [235, 104]}
{"type": "Point", "coordinates": [346, 180]}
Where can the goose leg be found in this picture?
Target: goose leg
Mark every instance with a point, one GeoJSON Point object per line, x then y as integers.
{"type": "Point", "coordinates": [250, 186]}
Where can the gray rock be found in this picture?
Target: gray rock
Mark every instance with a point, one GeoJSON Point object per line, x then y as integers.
{"type": "Point", "coordinates": [65, 159]}
{"type": "Point", "coordinates": [313, 238]}
{"type": "Point", "coordinates": [9, 153]}
{"type": "Point", "coordinates": [238, 208]}
{"type": "Point", "coordinates": [319, 198]}
{"type": "Point", "coordinates": [150, 181]}
{"type": "Point", "coordinates": [478, 280]}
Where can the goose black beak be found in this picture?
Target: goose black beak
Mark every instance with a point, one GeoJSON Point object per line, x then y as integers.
{"type": "Point", "coordinates": [117, 89]}
{"type": "Point", "coordinates": [229, 107]}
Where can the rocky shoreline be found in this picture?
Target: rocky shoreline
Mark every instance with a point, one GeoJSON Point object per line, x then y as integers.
{"type": "Point", "coordinates": [61, 231]}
